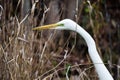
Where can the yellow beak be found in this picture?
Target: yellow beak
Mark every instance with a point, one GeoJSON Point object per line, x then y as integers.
{"type": "Point", "coordinates": [46, 27]}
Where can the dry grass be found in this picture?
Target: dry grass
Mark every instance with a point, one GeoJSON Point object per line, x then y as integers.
{"type": "Point", "coordinates": [45, 55]}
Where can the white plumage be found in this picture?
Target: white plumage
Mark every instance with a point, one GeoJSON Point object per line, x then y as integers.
{"type": "Point", "coordinates": [68, 24]}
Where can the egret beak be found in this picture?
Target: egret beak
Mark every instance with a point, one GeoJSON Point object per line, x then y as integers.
{"type": "Point", "coordinates": [51, 26]}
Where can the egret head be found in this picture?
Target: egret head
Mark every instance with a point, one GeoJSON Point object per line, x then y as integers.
{"type": "Point", "coordinates": [65, 24]}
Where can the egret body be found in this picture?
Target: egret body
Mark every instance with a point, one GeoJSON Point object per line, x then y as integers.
{"type": "Point", "coordinates": [68, 24]}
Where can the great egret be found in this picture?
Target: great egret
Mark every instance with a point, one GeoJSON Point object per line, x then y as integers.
{"type": "Point", "coordinates": [68, 24]}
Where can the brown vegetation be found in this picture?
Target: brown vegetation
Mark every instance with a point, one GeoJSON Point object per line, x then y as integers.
{"type": "Point", "coordinates": [57, 55]}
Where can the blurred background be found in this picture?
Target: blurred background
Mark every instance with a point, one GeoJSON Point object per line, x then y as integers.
{"type": "Point", "coordinates": [53, 54]}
